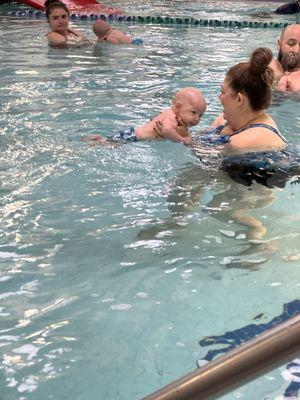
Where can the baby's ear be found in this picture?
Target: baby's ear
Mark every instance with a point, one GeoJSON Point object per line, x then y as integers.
{"type": "Point", "coordinates": [177, 106]}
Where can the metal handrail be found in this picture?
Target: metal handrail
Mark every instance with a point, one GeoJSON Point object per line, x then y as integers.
{"type": "Point", "coordinates": [238, 366]}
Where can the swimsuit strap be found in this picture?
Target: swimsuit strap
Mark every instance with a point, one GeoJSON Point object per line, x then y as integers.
{"type": "Point", "coordinates": [271, 128]}
{"type": "Point", "coordinates": [219, 128]}
{"type": "Point", "coordinates": [72, 32]}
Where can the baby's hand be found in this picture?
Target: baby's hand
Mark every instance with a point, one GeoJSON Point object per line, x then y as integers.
{"type": "Point", "coordinates": [186, 140]}
{"type": "Point", "coordinates": [180, 121]}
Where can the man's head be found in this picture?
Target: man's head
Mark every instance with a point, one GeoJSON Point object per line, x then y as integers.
{"type": "Point", "coordinates": [189, 104]}
{"type": "Point", "coordinates": [289, 48]}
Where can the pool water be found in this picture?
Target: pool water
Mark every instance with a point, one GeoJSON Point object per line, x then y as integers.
{"type": "Point", "coordinates": [115, 263]}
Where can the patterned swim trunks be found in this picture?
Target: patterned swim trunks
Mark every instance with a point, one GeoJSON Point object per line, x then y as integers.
{"type": "Point", "coordinates": [124, 135]}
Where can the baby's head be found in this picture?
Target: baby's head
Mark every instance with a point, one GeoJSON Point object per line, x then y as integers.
{"type": "Point", "coordinates": [101, 28]}
{"type": "Point", "coordinates": [189, 104]}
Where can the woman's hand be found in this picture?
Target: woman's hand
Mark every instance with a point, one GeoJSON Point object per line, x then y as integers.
{"type": "Point", "coordinates": [158, 130]}
{"type": "Point", "coordinates": [174, 137]}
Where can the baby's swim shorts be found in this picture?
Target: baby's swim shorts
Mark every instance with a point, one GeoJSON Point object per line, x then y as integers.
{"type": "Point", "coordinates": [124, 135]}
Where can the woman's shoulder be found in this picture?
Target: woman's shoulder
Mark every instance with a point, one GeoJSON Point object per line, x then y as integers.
{"type": "Point", "coordinates": [74, 32]}
{"type": "Point", "coordinates": [262, 135]}
{"type": "Point", "coordinates": [52, 34]}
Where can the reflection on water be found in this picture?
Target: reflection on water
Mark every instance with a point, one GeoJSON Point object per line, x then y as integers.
{"type": "Point", "coordinates": [111, 258]}
{"type": "Point", "coordinates": [238, 188]}
{"type": "Point", "coordinates": [230, 340]}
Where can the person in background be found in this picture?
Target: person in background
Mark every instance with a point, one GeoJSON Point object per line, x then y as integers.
{"type": "Point", "coordinates": [289, 8]}
{"type": "Point", "coordinates": [61, 34]}
{"type": "Point", "coordinates": [106, 33]}
{"type": "Point", "coordinates": [289, 51]}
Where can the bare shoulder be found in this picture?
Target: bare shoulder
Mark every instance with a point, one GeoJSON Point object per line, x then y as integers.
{"type": "Point", "coordinates": [116, 36]}
{"type": "Point", "coordinates": [259, 138]}
{"type": "Point", "coordinates": [124, 37]}
{"type": "Point", "coordinates": [167, 115]}
{"type": "Point", "coordinates": [75, 32]}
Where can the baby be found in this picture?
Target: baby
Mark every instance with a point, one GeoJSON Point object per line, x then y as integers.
{"type": "Point", "coordinates": [290, 82]}
{"type": "Point", "coordinates": [187, 108]}
{"type": "Point", "coordinates": [106, 33]}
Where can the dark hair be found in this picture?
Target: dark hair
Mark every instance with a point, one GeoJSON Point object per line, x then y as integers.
{"type": "Point", "coordinates": [254, 78]}
{"type": "Point", "coordinates": [51, 4]}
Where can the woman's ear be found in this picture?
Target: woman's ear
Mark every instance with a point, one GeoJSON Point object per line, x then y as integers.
{"type": "Point", "coordinates": [240, 98]}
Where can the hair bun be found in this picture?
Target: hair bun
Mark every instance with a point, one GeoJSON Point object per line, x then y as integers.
{"type": "Point", "coordinates": [259, 64]}
{"type": "Point", "coordinates": [260, 59]}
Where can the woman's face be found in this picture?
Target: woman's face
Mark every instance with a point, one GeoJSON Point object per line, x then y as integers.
{"type": "Point", "coordinates": [59, 20]}
{"type": "Point", "coordinates": [228, 98]}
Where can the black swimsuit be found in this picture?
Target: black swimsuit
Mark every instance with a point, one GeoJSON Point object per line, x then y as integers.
{"type": "Point", "coordinates": [214, 136]}
{"type": "Point", "coordinates": [68, 30]}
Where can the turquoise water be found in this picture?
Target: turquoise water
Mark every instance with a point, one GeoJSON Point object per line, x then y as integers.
{"type": "Point", "coordinates": [216, 9]}
{"type": "Point", "coordinates": [115, 263]}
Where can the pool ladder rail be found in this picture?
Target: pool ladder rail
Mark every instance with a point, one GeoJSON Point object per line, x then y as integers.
{"type": "Point", "coordinates": [240, 365]}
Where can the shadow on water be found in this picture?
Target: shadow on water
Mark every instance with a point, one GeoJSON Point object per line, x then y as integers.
{"type": "Point", "coordinates": [230, 189]}
{"type": "Point", "coordinates": [230, 340]}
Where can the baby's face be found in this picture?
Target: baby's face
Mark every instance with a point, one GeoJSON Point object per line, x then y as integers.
{"type": "Point", "coordinates": [191, 112]}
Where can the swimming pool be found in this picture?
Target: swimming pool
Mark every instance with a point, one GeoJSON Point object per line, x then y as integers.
{"type": "Point", "coordinates": [116, 263]}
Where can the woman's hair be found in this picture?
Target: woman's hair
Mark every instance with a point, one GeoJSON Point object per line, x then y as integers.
{"type": "Point", "coordinates": [51, 4]}
{"type": "Point", "coordinates": [254, 78]}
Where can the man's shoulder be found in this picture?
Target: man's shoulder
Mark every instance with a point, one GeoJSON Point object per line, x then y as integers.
{"type": "Point", "coordinates": [277, 69]}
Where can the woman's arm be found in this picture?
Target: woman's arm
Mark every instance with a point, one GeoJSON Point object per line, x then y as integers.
{"type": "Point", "coordinates": [218, 121]}
{"type": "Point", "coordinates": [56, 39]}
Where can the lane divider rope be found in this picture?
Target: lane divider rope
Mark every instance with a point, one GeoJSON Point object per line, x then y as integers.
{"type": "Point", "coordinates": [158, 20]}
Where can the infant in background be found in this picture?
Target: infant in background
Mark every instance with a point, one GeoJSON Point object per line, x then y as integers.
{"type": "Point", "coordinates": [106, 33]}
{"type": "Point", "coordinates": [290, 82]}
{"type": "Point", "coordinates": [173, 124]}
